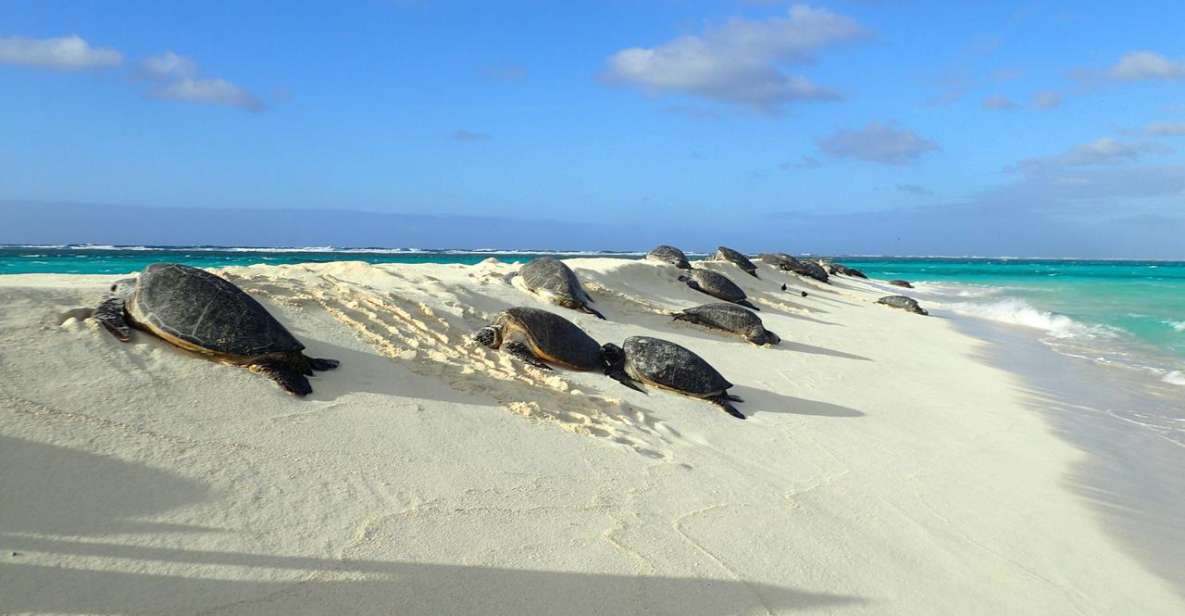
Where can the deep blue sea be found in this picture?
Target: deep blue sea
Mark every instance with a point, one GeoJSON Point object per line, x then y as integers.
{"type": "Point", "coordinates": [1124, 313]}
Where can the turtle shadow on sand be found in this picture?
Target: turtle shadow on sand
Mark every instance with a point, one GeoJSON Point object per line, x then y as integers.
{"type": "Point", "coordinates": [764, 401]}
{"type": "Point", "coordinates": [801, 347]}
{"type": "Point", "coordinates": [300, 585]}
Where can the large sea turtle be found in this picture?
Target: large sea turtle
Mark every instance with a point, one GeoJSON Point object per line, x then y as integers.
{"type": "Point", "coordinates": [716, 285]}
{"type": "Point", "coordinates": [667, 365]}
{"type": "Point", "coordinates": [730, 318]}
{"type": "Point", "coordinates": [907, 304]}
{"type": "Point", "coordinates": [539, 338]}
{"type": "Point", "coordinates": [785, 262]}
{"type": "Point", "coordinates": [200, 312]}
{"type": "Point", "coordinates": [554, 281]}
{"type": "Point", "coordinates": [724, 253]}
{"type": "Point", "coordinates": [669, 255]}
{"type": "Point", "coordinates": [838, 268]}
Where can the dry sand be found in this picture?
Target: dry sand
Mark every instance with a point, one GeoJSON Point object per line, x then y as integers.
{"type": "Point", "coordinates": [884, 469]}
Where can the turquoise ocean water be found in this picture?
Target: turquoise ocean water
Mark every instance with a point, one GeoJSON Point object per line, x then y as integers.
{"type": "Point", "coordinates": [1126, 313]}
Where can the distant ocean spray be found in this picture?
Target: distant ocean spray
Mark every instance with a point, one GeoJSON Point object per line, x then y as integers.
{"type": "Point", "coordinates": [1129, 314]}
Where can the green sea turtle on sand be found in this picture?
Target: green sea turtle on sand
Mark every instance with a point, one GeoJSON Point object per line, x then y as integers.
{"type": "Point", "coordinates": [724, 253]}
{"type": "Point", "coordinates": [907, 304]}
{"type": "Point", "coordinates": [666, 365]}
{"type": "Point", "coordinates": [555, 282]}
{"type": "Point", "coordinates": [730, 318]}
{"type": "Point", "coordinates": [669, 255]}
{"type": "Point", "coordinates": [200, 312]}
{"type": "Point", "coordinates": [716, 285]}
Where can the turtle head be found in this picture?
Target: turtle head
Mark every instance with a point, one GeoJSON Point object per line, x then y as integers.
{"type": "Point", "coordinates": [123, 288]}
{"type": "Point", "coordinates": [759, 335]}
{"type": "Point", "coordinates": [489, 336]}
{"type": "Point", "coordinates": [683, 277]}
{"type": "Point", "coordinates": [613, 357]}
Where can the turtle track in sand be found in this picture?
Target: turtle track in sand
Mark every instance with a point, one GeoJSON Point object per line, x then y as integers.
{"type": "Point", "coordinates": [435, 341]}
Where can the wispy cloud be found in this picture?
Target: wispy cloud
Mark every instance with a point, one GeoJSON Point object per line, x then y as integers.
{"type": "Point", "coordinates": [741, 61]}
{"type": "Point", "coordinates": [1047, 99]}
{"type": "Point", "coordinates": [878, 143]}
{"type": "Point", "coordinates": [177, 78]}
{"type": "Point", "coordinates": [805, 162]}
{"type": "Point", "coordinates": [504, 72]}
{"type": "Point", "coordinates": [67, 53]}
{"type": "Point", "coordinates": [1146, 65]}
{"type": "Point", "coordinates": [999, 103]}
{"type": "Point", "coordinates": [914, 189]}
{"type": "Point", "coordinates": [1166, 129]}
{"type": "Point", "coordinates": [469, 136]}
{"type": "Point", "coordinates": [1105, 151]}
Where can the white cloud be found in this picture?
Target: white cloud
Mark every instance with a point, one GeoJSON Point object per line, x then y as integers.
{"type": "Point", "coordinates": [877, 143]}
{"type": "Point", "coordinates": [1047, 100]}
{"type": "Point", "coordinates": [1166, 129]}
{"type": "Point", "coordinates": [168, 65]}
{"type": "Point", "coordinates": [67, 53]}
{"type": "Point", "coordinates": [1105, 151]}
{"type": "Point", "coordinates": [177, 78]}
{"type": "Point", "coordinates": [1002, 103]}
{"type": "Point", "coordinates": [739, 62]}
{"type": "Point", "coordinates": [1146, 65]}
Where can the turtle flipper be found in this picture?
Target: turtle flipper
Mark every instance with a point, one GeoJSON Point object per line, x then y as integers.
{"type": "Point", "coordinates": [520, 350]}
{"type": "Point", "coordinates": [592, 312]}
{"type": "Point", "coordinates": [621, 377]}
{"type": "Point", "coordinates": [287, 377]}
{"type": "Point", "coordinates": [722, 400]}
{"type": "Point", "coordinates": [747, 304]}
{"type": "Point", "coordinates": [111, 315]}
{"type": "Point", "coordinates": [321, 363]}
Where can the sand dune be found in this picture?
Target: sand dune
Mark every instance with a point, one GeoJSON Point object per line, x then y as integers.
{"type": "Point", "coordinates": [883, 468]}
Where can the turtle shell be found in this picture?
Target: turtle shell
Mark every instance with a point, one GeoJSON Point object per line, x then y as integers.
{"type": "Point", "coordinates": [717, 285]}
{"type": "Point", "coordinates": [669, 365]}
{"type": "Point", "coordinates": [724, 253]}
{"type": "Point", "coordinates": [670, 255]}
{"type": "Point", "coordinates": [553, 277]}
{"type": "Point", "coordinates": [728, 317]}
{"type": "Point", "coordinates": [557, 338]}
{"type": "Point", "coordinates": [905, 303]}
{"type": "Point", "coordinates": [207, 312]}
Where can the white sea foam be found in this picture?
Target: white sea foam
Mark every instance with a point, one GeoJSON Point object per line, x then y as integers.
{"type": "Point", "coordinates": [1176, 377]}
{"type": "Point", "coordinates": [1176, 325]}
{"type": "Point", "coordinates": [1019, 312]}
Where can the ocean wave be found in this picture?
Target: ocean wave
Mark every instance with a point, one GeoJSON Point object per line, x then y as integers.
{"type": "Point", "coordinates": [1019, 312]}
{"type": "Point", "coordinates": [1178, 326]}
{"type": "Point", "coordinates": [1176, 377]}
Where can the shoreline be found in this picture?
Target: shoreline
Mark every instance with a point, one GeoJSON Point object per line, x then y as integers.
{"type": "Point", "coordinates": [431, 476]}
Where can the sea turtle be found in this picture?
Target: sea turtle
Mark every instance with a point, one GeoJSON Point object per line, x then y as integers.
{"type": "Point", "coordinates": [836, 268]}
{"type": "Point", "coordinates": [901, 283]}
{"type": "Point", "coordinates": [905, 303]}
{"type": "Point", "coordinates": [554, 281]}
{"type": "Point", "coordinates": [785, 262]}
{"type": "Point", "coordinates": [669, 255]}
{"type": "Point", "coordinates": [724, 253]}
{"type": "Point", "coordinates": [730, 318]}
{"type": "Point", "coordinates": [539, 338]}
{"type": "Point", "coordinates": [198, 311]}
{"type": "Point", "coordinates": [667, 365]}
{"type": "Point", "coordinates": [716, 285]}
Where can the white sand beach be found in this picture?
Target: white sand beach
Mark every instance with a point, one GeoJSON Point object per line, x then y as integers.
{"type": "Point", "coordinates": [884, 468]}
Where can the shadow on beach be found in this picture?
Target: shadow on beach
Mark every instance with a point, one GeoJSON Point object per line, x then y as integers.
{"type": "Point", "coordinates": [762, 401]}
{"type": "Point", "coordinates": [55, 494]}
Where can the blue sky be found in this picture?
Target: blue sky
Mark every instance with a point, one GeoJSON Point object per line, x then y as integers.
{"type": "Point", "coordinates": [1020, 127]}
